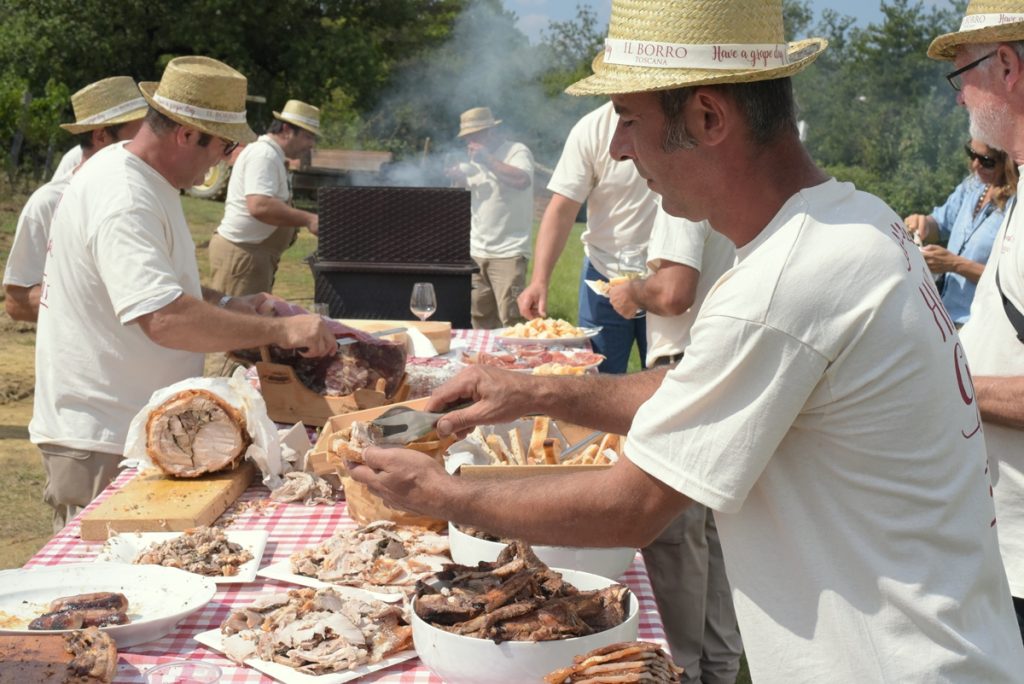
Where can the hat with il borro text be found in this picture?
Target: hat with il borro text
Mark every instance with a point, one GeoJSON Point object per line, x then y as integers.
{"type": "Point", "coordinates": [204, 94]}
{"type": "Point", "coordinates": [112, 101]}
{"type": "Point", "coordinates": [985, 21]}
{"type": "Point", "coordinates": [300, 114]}
{"type": "Point", "coordinates": [664, 44]}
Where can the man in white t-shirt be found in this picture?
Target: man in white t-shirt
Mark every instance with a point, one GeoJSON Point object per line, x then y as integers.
{"type": "Point", "coordinates": [988, 53]}
{"type": "Point", "coordinates": [620, 210]}
{"type": "Point", "coordinates": [858, 530]}
{"type": "Point", "coordinates": [685, 562]}
{"type": "Point", "coordinates": [499, 174]}
{"type": "Point", "coordinates": [106, 112]}
{"type": "Point", "coordinates": [122, 312]}
{"type": "Point", "coordinates": [259, 224]}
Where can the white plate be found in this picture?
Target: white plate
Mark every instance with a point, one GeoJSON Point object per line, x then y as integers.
{"type": "Point", "coordinates": [158, 597]}
{"type": "Point", "coordinates": [282, 572]}
{"type": "Point", "coordinates": [551, 341]}
{"type": "Point", "coordinates": [596, 288]}
{"type": "Point", "coordinates": [125, 547]}
{"type": "Point", "coordinates": [283, 673]}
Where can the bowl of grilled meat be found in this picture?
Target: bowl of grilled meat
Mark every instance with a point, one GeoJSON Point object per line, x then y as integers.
{"type": "Point", "coordinates": [470, 545]}
{"type": "Point", "coordinates": [515, 619]}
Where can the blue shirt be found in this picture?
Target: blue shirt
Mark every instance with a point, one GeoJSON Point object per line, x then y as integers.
{"type": "Point", "coordinates": [968, 236]}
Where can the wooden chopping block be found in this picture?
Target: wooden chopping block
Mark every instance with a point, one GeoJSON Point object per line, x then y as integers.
{"type": "Point", "coordinates": [155, 502]}
{"type": "Point", "coordinates": [438, 332]}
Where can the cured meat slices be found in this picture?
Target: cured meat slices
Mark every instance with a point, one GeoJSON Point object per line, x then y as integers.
{"type": "Point", "coordinates": [195, 432]}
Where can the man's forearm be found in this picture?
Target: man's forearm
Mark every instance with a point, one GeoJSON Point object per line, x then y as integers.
{"type": "Point", "coordinates": [1001, 400]}
{"type": "Point", "coordinates": [510, 175]}
{"type": "Point", "coordinates": [22, 303]}
{"type": "Point", "coordinates": [275, 212]}
{"type": "Point", "coordinates": [604, 402]}
{"type": "Point", "coordinates": [192, 325]}
{"type": "Point", "coordinates": [552, 236]}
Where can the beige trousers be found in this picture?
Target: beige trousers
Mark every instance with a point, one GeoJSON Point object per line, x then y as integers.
{"type": "Point", "coordinates": [495, 289]}
{"type": "Point", "coordinates": [74, 478]}
{"type": "Point", "coordinates": [240, 268]}
{"type": "Point", "coordinates": [693, 596]}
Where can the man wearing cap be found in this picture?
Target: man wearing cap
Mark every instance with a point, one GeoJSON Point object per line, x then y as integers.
{"type": "Point", "coordinates": [122, 312]}
{"type": "Point", "coordinates": [499, 175]}
{"type": "Point", "coordinates": [620, 211]}
{"type": "Point", "coordinates": [823, 409]}
{"type": "Point", "coordinates": [106, 112]}
{"type": "Point", "coordinates": [259, 224]}
{"type": "Point", "coordinates": [988, 57]}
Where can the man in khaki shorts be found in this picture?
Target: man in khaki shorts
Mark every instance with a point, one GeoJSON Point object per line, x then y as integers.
{"type": "Point", "coordinates": [499, 175]}
{"type": "Point", "coordinates": [258, 224]}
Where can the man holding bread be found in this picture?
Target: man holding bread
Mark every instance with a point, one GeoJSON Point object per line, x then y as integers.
{"type": "Point", "coordinates": [858, 531]}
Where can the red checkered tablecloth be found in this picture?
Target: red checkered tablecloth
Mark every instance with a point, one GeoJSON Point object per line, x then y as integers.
{"type": "Point", "coordinates": [290, 527]}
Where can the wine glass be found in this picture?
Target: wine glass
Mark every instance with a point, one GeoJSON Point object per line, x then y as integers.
{"type": "Point", "coordinates": [423, 302]}
{"type": "Point", "coordinates": [632, 263]}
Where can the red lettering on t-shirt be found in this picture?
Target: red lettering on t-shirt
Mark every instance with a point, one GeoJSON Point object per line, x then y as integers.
{"type": "Point", "coordinates": [900, 235]}
{"type": "Point", "coordinates": [966, 386]}
{"type": "Point", "coordinates": [939, 314]}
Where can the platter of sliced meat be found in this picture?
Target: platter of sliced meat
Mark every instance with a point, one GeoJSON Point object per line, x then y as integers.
{"type": "Point", "coordinates": [132, 603]}
{"type": "Point", "coordinates": [314, 636]}
{"type": "Point", "coordinates": [528, 358]}
{"type": "Point", "coordinates": [225, 556]}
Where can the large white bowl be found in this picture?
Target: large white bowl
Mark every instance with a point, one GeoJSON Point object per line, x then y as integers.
{"type": "Point", "coordinates": [611, 562]}
{"type": "Point", "coordinates": [460, 659]}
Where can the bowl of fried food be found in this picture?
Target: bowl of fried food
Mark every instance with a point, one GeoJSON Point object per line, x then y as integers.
{"type": "Point", "coordinates": [470, 546]}
{"type": "Point", "coordinates": [534, 621]}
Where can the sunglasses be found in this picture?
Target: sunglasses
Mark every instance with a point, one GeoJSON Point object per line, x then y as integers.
{"type": "Point", "coordinates": [986, 162]}
{"type": "Point", "coordinates": [230, 147]}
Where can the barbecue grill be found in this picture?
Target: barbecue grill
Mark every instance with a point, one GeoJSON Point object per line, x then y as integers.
{"type": "Point", "coordinates": [375, 242]}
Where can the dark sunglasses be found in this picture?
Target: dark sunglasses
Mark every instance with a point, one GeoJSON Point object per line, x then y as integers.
{"type": "Point", "coordinates": [986, 162]}
{"type": "Point", "coordinates": [955, 77]}
{"type": "Point", "coordinates": [230, 147]}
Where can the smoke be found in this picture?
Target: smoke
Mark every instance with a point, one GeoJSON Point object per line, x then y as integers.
{"type": "Point", "coordinates": [487, 62]}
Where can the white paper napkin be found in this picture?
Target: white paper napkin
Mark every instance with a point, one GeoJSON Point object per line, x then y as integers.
{"type": "Point", "coordinates": [421, 344]}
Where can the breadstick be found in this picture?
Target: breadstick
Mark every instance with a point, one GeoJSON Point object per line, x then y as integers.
{"type": "Point", "coordinates": [535, 454]}
{"type": "Point", "coordinates": [516, 450]}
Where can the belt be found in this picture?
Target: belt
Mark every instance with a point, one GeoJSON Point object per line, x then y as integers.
{"type": "Point", "coordinates": [669, 360]}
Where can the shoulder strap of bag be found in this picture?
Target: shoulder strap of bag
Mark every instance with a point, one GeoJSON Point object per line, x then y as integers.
{"type": "Point", "coordinates": [1015, 316]}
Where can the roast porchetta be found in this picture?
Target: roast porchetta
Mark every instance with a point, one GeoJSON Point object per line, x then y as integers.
{"type": "Point", "coordinates": [195, 432]}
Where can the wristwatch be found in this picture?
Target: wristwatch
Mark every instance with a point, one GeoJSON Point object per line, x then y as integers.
{"type": "Point", "coordinates": [224, 301]}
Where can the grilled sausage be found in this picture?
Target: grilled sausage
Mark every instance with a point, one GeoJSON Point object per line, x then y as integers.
{"type": "Point", "coordinates": [106, 600]}
{"type": "Point", "coordinates": [58, 620]}
{"type": "Point", "coordinates": [102, 617]}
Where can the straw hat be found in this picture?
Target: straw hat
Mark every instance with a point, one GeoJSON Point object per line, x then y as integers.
{"type": "Point", "coordinates": [476, 119]}
{"type": "Point", "coordinates": [986, 21]}
{"type": "Point", "coordinates": [662, 44]}
{"type": "Point", "coordinates": [112, 101]}
{"type": "Point", "coordinates": [303, 115]}
{"type": "Point", "coordinates": [202, 93]}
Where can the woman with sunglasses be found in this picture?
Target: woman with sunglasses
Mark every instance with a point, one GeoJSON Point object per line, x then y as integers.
{"type": "Point", "coordinates": [967, 224]}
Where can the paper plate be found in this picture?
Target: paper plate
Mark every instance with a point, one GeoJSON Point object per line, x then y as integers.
{"type": "Point", "coordinates": [282, 673]}
{"type": "Point", "coordinates": [125, 548]}
{"type": "Point", "coordinates": [596, 287]}
{"type": "Point", "coordinates": [282, 572]}
{"type": "Point", "coordinates": [550, 341]}
{"type": "Point", "coordinates": [158, 597]}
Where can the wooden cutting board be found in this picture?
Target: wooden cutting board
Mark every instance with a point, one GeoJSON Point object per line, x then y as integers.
{"type": "Point", "coordinates": [154, 502]}
{"type": "Point", "coordinates": [438, 332]}
{"type": "Point", "coordinates": [37, 658]}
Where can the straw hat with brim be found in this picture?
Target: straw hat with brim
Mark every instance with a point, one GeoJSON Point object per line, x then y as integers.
{"type": "Point", "coordinates": [663, 44]}
{"type": "Point", "coordinates": [204, 94]}
{"type": "Point", "coordinates": [300, 114]}
{"type": "Point", "coordinates": [986, 21]}
{"type": "Point", "coordinates": [475, 120]}
{"type": "Point", "coordinates": [112, 101]}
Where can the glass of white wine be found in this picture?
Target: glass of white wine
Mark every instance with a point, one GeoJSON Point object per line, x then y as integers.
{"type": "Point", "coordinates": [423, 302]}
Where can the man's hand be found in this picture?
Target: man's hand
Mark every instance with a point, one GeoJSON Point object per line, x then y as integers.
{"type": "Point", "coordinates": [478, 153]}
{"type": "Point", "coordinates": [939, 259]}
{"type": "Point", "coordinates": [533, 301]}
{"type": "Point", "coordinates": [404, 479]}
{"type": "Point", "coordinates": [499, 396]}
{"type": "Point", "coordinates": [261, 303]}
{"type": "Point", "coordinates": [313, 224]}
{"type": "Point", "coordinates": [307, 332]}
{"type": "Point", "coordinates": [623, 299]}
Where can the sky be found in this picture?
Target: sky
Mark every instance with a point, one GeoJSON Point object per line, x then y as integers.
{"type": "Point", "coordinates": [534, 15]}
